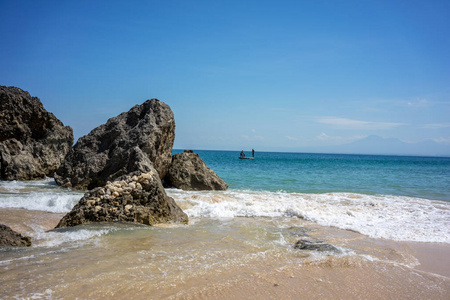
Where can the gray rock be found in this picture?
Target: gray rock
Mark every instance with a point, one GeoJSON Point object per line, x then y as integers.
{"type": "Point", "coordinates": [136, 198]}
{"type": "Point", "coordinates": [189, 172]}
{"type": "Point", "coordinates": [315, 246]}
{"type": "Point", "coordinates": [33, 142]}
{"type": "Point", "coordinates": [10, 238]}
{"type": "Point", "coordinates": [133, 141]}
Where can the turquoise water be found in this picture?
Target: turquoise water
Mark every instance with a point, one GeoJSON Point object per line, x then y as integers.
{"type": "Point", "coordinates": [423, 177]}
{"type": "Point", "coordinates": [390, 197]}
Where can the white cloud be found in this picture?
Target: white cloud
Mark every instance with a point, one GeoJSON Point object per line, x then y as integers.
{"type": "Point", "coordinates": [252, 138]}
{"type": "Point", "coordinates": [343, 123]}
{"type": "Point", "coordinates": [339, 139]}
{"type": "Point", "coordinates": [291, 138]}
{"type": "Point", "coordinates": [323, 136]}
{"type": "Point", "coordinates": [442, 140]}
{"type": "Point", "coordinates": [436, 126]}
{"type": "Point", "coordinates": [420, 103]}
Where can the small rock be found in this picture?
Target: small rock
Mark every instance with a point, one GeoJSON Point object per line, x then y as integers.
{"type": "Point", "coordinates": [10, 238]}
{"type": "Point", "coordinates": [126, 189]}
{"type": "Point", "coordinates": [315, 246]}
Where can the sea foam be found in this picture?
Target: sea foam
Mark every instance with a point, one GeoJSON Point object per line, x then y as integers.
{"type": "Point", "coordinates": [43, 195]}
{"type": "Point", "coordinates": [380, 216]}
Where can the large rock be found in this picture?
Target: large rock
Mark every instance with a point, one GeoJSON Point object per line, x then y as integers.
{"type": "Point", "coordinates": [138, 198]}
{"type": "Point", "coordinates": [189, 172]}
{"type": "Point", "coordinates": [10, 238]}
{"type": "Point", "coordinates": [132, 141]}
{"type": "Point", "coordinates": [33, 142]}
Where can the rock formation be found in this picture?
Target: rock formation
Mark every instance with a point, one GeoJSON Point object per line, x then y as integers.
{"type": "Point", "coordinates": [189, 172]}
{"type": "Point", "coordinates": [132, 141]}
{"type": "Point", "coordinates": [10, 238]}
{"type": "Point", "coordinates": [138, 198]}
{"type": "Point", "coordinates": [305, 244]}
{"type": "Point", "coordinates": [33, 142]}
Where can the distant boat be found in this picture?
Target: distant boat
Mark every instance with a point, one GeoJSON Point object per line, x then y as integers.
{"type": "Point", "coordinates": [242, 156]}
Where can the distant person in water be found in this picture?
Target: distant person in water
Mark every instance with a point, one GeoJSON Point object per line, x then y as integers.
{"type": "Point", "coordinates": [242, 153]}
{"type": "Point", "coordinates": [253, 153]}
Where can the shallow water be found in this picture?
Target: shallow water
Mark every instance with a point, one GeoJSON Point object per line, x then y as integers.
{"type": "Point", "coordinates": [389, 217]}
{"type": "Point", "coordinates": [123, 260]}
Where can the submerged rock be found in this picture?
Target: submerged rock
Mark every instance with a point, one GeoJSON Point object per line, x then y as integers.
{"type": "Point", "coordinates": [138, 198]}
{"type": "Point", "coordinates": [305, 244]}
{"type": "Point", "coordinates": [33, 142]}
{"type": "Point", "coordinates": [189, 172]}
{"type": "Point", "coordinates": [10, 238]}
{"type": "Point", "coordinates": [133, 141]}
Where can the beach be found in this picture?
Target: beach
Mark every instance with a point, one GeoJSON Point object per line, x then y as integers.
{"type": "Point", "coordinates": [220, 259]}
{"type": "Point", "coordinates": [384, 242]}
{"type": "Point", "coordinates": [225, 150]}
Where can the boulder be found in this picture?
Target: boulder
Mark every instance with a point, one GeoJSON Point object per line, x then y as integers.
{"type": "Point", "coordinates": [33, 142]}
{"type": "Point", "coordinates": [10, 238]}
{"type": "Point", "coordinates": [189, 172]}
{"type": "Point", "coordinates": [137, 198]}
{"type": "Point", "coordinates": [133, 141]}
{"type": "Point", "coordinates": [305, 244]}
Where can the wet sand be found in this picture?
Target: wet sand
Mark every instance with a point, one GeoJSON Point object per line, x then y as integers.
{"type": "Point", "coordinates": [331, 279]}
{"type": "Point", "coordinates": [432, 257]}
{"type": "Point", "coordinates": [217, 259]}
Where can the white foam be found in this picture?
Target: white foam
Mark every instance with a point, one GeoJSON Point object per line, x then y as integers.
{"type": "Point", "coordinates": [380, 216]}
{"type": "Point", "coordinates": [15, 186]}
{"type": "Point", "coordinates": [56, 238]}
{"type": "Point", "coordinates": [41, 195]}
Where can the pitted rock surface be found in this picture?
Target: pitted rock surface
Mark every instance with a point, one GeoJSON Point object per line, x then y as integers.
{"type": "Point", "coordinates": [133, 141]}
{"type": "Point", "coordinates": [189, 172]}
{"type": "Point", "coordinates": [10, 238]}
{"type": "Point", "coordinates": [33, 142]}
{"type": "Point", "coordinates": [136, 198]}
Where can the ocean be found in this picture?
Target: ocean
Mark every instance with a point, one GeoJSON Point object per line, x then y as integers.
{"type": "Point", "coordinates": [372, 208]}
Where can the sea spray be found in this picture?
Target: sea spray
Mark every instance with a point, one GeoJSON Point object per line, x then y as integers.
{"type": "Point", "coordinates": [43, 195]}
{"type": "Point", "coordinates": [380, 216]}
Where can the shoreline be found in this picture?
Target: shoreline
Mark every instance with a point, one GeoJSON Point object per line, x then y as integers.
{"type": "Point", "coordinates": [378, 268]}
{"type": "Point", "coordinates": [432, 257]}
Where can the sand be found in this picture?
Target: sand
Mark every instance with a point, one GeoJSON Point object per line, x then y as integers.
{"type": "Point", "coordinates": [131, 266]}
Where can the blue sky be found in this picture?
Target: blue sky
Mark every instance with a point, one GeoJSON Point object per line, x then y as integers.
{"type": "Point", "coordinates": [276, 76]}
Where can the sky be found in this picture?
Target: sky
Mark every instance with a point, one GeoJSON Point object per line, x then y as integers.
{"type": "Point", "coordinates": [298, 76]}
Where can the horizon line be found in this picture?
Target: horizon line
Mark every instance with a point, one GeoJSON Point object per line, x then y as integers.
{"type": "Point", "coordinates": [324, 153]}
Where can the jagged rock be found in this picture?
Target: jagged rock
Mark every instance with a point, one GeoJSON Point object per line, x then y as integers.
{"type": "Point", "coordinates": [138, 198]}
{"type": "Point", "coordinates": [10, 238]}
{"type": "Point", "coordinates": [189, 172]}
{"type": "Point", "coordinates": [33, 142]}
{"type": "Point", "coordinates": [132, 141]}
{"type": "Point", "coordinates": [305, 244]}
